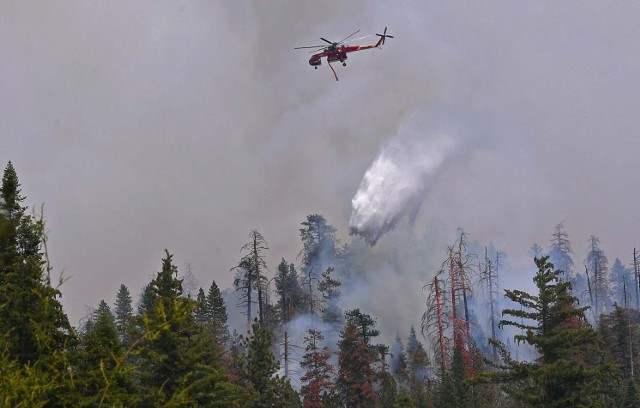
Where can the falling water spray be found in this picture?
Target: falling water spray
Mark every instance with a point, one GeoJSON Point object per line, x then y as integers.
{"type": "Point", "coordinates": [397, 181]}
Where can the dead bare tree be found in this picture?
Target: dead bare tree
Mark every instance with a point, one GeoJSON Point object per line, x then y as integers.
{"type": "Point", "coordinates": [636, 273]}
{"type": "Point", "coordinates": [434, 322]}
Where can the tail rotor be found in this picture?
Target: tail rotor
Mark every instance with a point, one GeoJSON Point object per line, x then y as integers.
{"type": "Point", "coordinates": [383, 36]}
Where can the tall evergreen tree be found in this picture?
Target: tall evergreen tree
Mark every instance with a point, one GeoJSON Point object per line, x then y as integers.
{"type": "Point", "coordinates": [329, 287]}
{"type": "Point", "coordinates": [170, 314]}
{"type": "Point", "coordinates": [179, 361]}
{"type": "Point", "coordinates": [291, 299]}
{"type": "Point", "coordinates": [281, 289]}
{"type": "Point", "coordinates": [255, 249]}
{"type": "Point", "coordinates": [200, 314]}
{"type": "Point", "coordinates": [31, 316]}
{"type": "Point", "coordinates": [419, 364]}
{"type": "Point", "coordinates": [144, 305]}
{"type": "Point", "coordinates": [598, 269]}
{"type": "Point", "coordinates": [319, 242]}
{"type": "Point", "coordinates": [356, 376]}
{"type": "Point", "coordinates": [560, 251]}
{"type": "Point", "coordinates": [217, 312]}
{"type": "Point", "coordinates": [622, 284]}
{"type": "Point", "coordinates": [245, 282]}
{"type": "Point", "coordinates": [260, 369]}
{"type": "Point", "coordinates": [364, 323]}
{"type": "Point", "coordinates": [621, 335]}
{"type": "Point", "coordinates": [569, 370]}
{"type": "Point", "coordinates": [317, 381]}
{"type": "Point", "coordinates": [99, 380]}
{"type": "Point", "coordinates": [399, 364]}
{"type": "Point", "coordinates": [124, 314]}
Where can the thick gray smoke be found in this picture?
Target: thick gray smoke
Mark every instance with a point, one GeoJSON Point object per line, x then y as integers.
{"type": "Point", "coordinates": [397, 181]}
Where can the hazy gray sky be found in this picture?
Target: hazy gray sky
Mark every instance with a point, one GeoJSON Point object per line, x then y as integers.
{"type": "Point", "coordinates": [183, 125]}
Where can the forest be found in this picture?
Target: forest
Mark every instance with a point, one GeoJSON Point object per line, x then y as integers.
{"type": "Point", "coordinates": [571, 341]}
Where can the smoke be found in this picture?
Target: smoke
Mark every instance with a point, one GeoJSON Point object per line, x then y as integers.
{"type": "Point", "coordinates": [397, 181]}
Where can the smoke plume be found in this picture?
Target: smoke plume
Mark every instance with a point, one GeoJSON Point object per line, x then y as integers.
{"type": "Point", "coordinates": [397, 181]}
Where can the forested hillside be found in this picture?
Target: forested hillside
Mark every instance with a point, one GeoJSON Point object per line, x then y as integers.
{"type": "Point", "coordinates": [571, 341]}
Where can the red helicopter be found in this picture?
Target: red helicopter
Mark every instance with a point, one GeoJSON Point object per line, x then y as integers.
{"type": "Point", "coordinates": [337, 51]}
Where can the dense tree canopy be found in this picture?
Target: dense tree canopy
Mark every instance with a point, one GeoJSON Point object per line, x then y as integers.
{"type": "Point", "coordinates": [175, 349]}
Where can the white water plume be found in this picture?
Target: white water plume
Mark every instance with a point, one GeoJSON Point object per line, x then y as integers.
{"type": "Point", "coordinates": [397, 181]}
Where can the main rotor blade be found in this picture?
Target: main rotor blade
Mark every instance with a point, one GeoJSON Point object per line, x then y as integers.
{"type": "Point", "coordinates": [358, 39]}
{"type": "Point", "coordinates": [347, 37]}
{"type": "Point", "coordinates": [310, 46]}
{"type": "Point", "coordinates": [324, 39]}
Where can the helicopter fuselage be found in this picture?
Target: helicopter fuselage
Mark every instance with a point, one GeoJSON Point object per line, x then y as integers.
{"type": "Point", "coordinates": [336, 54]}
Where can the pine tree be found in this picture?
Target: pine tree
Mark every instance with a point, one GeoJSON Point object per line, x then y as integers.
{"type": "Point", "coordinates": [291, 299]}
{"type": "Point", "coordinates": [621, 335]}
{"type": "Point", "coordinates": [170, 314]}
{"type": "Point", "coordinates": [200, 314]}
{"type": "Point", "coordinates": [560, 251]}
{"type": "Point", "coordinates": [489, 277]}
{"type": "Point", "coordinates": [124, 315]}
{"type": "Point", "coordinates": [418, 365]}
{"type": "Point", "coordinates": [598, 269]}
{"type": "Point", "coordinates": [281, 283]}
{"type": "Point", "coordinates": [399, 364]}
{"type": "Point", "coordinates": [319, 242]}
{"type": "Point", "coordinates": [245, 282]}
{"type": "Point", "coordinates": [631, 396]}
{"type": "Point", "coordinates": [31, 316]}
{"type": "Point", "coordinates": [179, 360]}
{"type": "Point", "coordinates": [98, 373]}
{"type": "Point", "coordinates": [255, 249]}
{"type": "Point", "coordinates": [569, 371]}
{"type": "Point", "coordinates": [329, 287]}
{"type": "Point", "coordinates": [145, 301]}
{"type": "Point", "coordinates": [622, 281]}
{"type": "Point", "coordinates": [356, 375]}
{"type": "Point", "coordinates": [365, 324]}
{"type": "Point", "coordinates": [316, 383]}
{"type": "Point", "coordinates": [217, 312]}
{"type": "Point", "coordinates": [260, 368]}
{"type": "Point", "coordinates": [404, 399]}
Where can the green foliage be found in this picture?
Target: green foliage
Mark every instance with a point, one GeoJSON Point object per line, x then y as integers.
{"type": "Point", "coordinates": [318, 240]}
{"type": "Point", "coordinates": [250, 273]}
{"type": "Point", "coordinates": [24, 385]}
{"type": "Point", "coordinates": [404, 399]}
{"type": "Point", "coordinates": [260, 362]}
{"type": "Point", "coordinates": [364, 323]}
{"type": "Point", "coordinates": [163, 363]}
{"type": "Point", "coordinates": [621, 334]}
{"type": "Point", "coordinates": [570, 370]}
{"type": "Point", "coordinates": [259, 368]}
{"type": "Point", "coordinates": [329, 287]}
{"type": "Point", "coordinates": [217, 314]}
{"type": "Point", "coordinates": [200, 312]}
{"type": "Point", "coordinates": [124, 315]}
{"type": "Point", "coordinates": [291, 298]}
{"type": "Point", "coordinates": [100, 377]}
{"type": "Point", "coordinates": [31, 317]}
{"type": "Point", "coordinates": [180, 362]}
{"type": "Point", "coordinates": [631, 396]}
